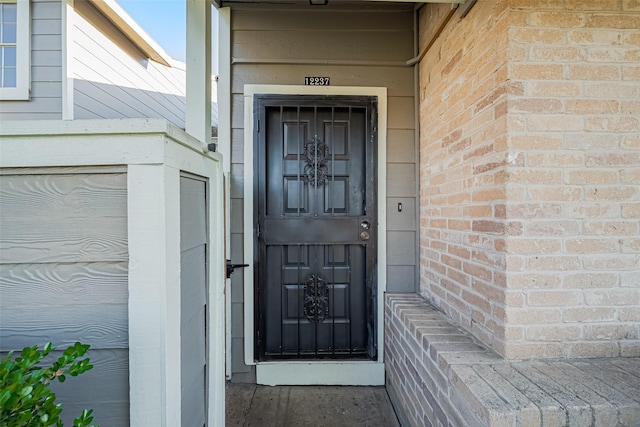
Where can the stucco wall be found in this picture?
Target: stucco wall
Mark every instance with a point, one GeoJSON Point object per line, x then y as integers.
{"type": "Point", "coordinates": [530, 167]}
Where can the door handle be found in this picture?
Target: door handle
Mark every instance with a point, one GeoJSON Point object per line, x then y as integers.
{"type": "Point", "coordinates": [231, 267]}
{"type": "Point", "coordinates": [365, 234]}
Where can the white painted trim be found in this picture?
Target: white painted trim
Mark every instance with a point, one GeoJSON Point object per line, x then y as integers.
{"type": "Point", "coordinates": [217, 297]}
{"type": "Point", "coordinates": [320, 373]}
{"type": "Point", "coordinates": [22, 91]}
{"type": "Point", "coordinates": [198, 90]}
{"type": "Point", "coordinates": [133, 31]}
{"type": "Point", "coordinates": [249, 92]}
{"type": "Point", "coordinates": [147, 295]}
{"type": "Point", "coordinates": [154, 153]}
{"type": "Point", "coordinates": [224, 86]}
{"type": "Point", "coordinates": [68, 43]}
{"type": "Point", "coordinates": [173, 311]}
{"type": "Point", "coordinates": [224, 148]}
{"type": "Point", "coordinates": [227, 237]}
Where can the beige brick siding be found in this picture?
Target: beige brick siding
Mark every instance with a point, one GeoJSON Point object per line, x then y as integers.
{"type": "Point", "coordinates": [530, 175]}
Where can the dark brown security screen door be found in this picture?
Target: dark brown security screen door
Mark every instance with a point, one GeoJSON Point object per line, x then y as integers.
{"type": "Point", "coordinates": [316, 227]}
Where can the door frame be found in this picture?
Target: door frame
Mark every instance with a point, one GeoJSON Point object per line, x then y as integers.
{"type": "Point", "coordinates": [314, 372]}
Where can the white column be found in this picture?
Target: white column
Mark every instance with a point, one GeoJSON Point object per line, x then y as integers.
{"type": "Point", "coordinates": [154, 295]}
{"type": "Point", "coordinates": [198, 118]}
{"type": "Point", "coordinates": [68, 33]}
{"type": "Point", "coordinates": [224, 86]}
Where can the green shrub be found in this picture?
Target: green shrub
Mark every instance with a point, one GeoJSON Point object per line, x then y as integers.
{"type": "Point", "coordinates": [26, 399]}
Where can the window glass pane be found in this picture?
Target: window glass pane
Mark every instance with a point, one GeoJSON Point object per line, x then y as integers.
{"type": "Point", "coordinates": [9, 77]}
{"type": "Point", "coordinates": [2, 57]}
{"type": "Point", "coordinates": [9, 33]}
{"type": "Point", "coordinates": [9, 57]}
{"type": "Point", "coordinates": [9, 12]}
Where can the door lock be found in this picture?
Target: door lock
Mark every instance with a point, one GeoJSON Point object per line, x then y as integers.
{"type": "Point", "coordinates": [365, 225]}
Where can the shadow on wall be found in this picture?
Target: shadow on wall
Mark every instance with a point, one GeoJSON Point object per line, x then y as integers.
{"type": "Point", "coordinates": [95, 100]}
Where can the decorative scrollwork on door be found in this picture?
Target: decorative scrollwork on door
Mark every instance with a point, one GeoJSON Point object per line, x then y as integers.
{"type": "Point", "coordinates": [316, 170]}
{"type": "Point", "coordinates": [316, 299]}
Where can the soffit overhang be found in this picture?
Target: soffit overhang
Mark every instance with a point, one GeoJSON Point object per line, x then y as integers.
{"type": "Point", "coordinates": [273, 3]}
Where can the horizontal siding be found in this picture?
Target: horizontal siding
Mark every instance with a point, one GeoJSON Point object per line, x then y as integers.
{"type": "Point", "coordinates": [113, 79]}
{"type": "Point", "coordinates": [111, 372]}
{"type": "Point", "coordinates": [399, 81]}
{"type": "Point", "coordinates": [63, 278]}
{"type": "Point", "coordinates": [59, 218]}
{"type": "Point", "coordinates": [61, 195]}
{"type": "Point", "coordinates": [100, 325]}
{"type": "Point", "coordinates": [64, 284]}
{"type": "Point", "coordinates": [46, 66]}
{"type": "Point", "coordinates": [322, 44]}
{"type": "Point", "coordinates": [63, 240]}
{"type": "Point", "coordinates": [377, 34]}
{"type": "Point", "coordinates": [393, 19]}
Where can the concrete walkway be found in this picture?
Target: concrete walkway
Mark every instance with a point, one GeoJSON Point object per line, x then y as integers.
{"type": "Point", "coordinates": [309, 406]}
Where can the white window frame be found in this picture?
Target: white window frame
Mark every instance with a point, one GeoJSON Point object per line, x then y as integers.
{"type": "Point", "coordinates": [23, 52]}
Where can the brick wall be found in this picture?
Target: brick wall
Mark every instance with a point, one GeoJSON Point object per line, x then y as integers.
{"type": "Point", "coordinates": [530, 175]}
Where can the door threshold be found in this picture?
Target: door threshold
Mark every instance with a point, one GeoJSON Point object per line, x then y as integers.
{"type": "Point", "coordinates": [363, 373]}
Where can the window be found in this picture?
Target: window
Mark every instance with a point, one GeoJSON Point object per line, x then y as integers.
{"type": "Point", "coordinates": [14, 50]}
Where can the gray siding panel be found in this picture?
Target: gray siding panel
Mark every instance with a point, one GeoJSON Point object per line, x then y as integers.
{"type": "Point", "coordinates": [194, 225]}
{"type": "Point", "coordinates": [401, 146]}
{"type": "Point", "coordinates": [100, 325]}
{"type": "Point", "coordinates": [65, 195]}
{"type": "Point", "coordinates": [63, 284]}
{"type": "Point", "coordinates": [46, 10]}
{"type": "Point", "coordinates": [401, 179]}
{"type": "Point", "coordinates": [193, 297]}
{"type": "Point", "coordinates": [321, 44]}
{"type": "Point", "coordinates": [107, 383]}
{"type": "Point", "coordinates": [47, 58]}
{"type": "Point", "coordinates": [63, 240]}
{"type": "Point", "coordinates": [404, 220]}
{"type": "Point", "coordinates": [295, 20]}
{"type": "Point", "coordinates": [46, 66]}
{"type": "Point", "coordinates": [63, 218]}
{"type": "Point", "coordinates": [400, 278]}
{"type": "Point", "coordinates": [377, 34]}
{"type": "Point", "coordinates": [63, 279]}
{"type": "Point", "coordinates": [46, 43]}
{"type": "Point", "coordinates": [399, 81]}
{"type": "Point", "coordinates": [45, 26]}
{"type": "Point", "coordinates": [401, 249]}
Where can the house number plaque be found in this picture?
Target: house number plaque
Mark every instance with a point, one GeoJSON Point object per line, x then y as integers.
{"type": "Point", "coordinates": [316, 81]}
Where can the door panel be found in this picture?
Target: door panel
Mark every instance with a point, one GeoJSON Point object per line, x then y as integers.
{"type": "Point", "coordinates": [193, 297]}
{"type": "Point", "coordinates": [315, 181]}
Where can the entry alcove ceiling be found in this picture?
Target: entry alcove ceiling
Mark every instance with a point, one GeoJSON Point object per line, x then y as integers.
{"type": "Point", "coordinates": [231, 3]}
